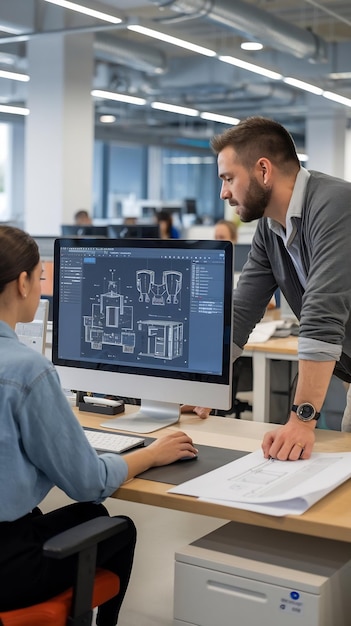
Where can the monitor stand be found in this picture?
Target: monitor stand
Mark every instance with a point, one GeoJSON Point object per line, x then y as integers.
{"type": "Point", "coordinates": [152, 415]}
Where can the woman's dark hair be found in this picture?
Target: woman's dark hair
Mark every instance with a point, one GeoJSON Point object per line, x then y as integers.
{"type": "Point", "coordinates": [164, 216]}
{"type": "Point", "coordinates": [256, 137]}
{"type": "Point", "coordinates": [18, 253]}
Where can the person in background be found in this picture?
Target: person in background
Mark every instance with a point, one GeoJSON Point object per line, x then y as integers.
{"type": "Point", "coordinates": [82, 218]}
{"type": "Point", "coordinates": [301, 244]}
{"type": "Point", "coordinates": [225, 230]}
{"type": "Point", "coordinates": [42, 444]}
{"type": "Point", "coordinates": [130, 221]}
{"type": "Point", "coordinates": [165, 222]}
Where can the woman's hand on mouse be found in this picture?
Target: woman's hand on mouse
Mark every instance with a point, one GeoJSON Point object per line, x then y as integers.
{"type": "Point", "coordinates": [171, 448]}
{"type": "Point", "coordinates": [162, 451]}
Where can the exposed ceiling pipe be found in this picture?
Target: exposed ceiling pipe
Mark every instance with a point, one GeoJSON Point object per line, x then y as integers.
{"type": "Point", "coordinates": [246, 92]}
{"type": "Point", "coordinates": [140, 57]}
{"type": "Point", "coordinates": [250, 19]}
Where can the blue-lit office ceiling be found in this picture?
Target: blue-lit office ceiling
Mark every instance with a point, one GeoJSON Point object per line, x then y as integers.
{"type": "Point", "coordinates": [305, 39]}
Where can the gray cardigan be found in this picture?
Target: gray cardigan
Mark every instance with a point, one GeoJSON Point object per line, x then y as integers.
{"type": "Point", "coordinates": [323, 308]}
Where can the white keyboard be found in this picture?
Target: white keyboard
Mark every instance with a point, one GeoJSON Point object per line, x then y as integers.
{"type": "Point", "coordinates": [111, 442]}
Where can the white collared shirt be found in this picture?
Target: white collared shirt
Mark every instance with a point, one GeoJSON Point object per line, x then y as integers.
{"type": "Point", "coordinates": [288, 235]}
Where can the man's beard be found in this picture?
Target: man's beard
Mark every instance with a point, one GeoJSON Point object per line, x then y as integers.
{"type": "Point", "coordinates": [255, 202]}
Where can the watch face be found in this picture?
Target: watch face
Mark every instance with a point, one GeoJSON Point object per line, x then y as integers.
{"type": "Point", "coordinates": [306, 411]}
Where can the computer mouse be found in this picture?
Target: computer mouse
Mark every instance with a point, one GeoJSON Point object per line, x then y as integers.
{"type": "Point", "coordinates": [191, 457]}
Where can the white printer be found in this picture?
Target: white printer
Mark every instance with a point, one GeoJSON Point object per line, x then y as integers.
{"type": "Point", "coordinates": [241, 575]}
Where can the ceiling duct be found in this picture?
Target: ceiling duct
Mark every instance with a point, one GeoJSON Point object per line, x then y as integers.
{"type": "Point", "coordinates": [140, 57]}
{"type": "Point", "coordinates": [251, 20]}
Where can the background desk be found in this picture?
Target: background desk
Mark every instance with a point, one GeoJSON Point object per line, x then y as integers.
{"type": "Point", "coordinates": [262, 353]}
{"type": "Point", "coordinates": [285, 349]}
{"type": "Point", "coordinates": [329, 518]}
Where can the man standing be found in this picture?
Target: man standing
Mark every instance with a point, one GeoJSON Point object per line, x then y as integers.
{"type": "Point", "coordinates": [301, 245]}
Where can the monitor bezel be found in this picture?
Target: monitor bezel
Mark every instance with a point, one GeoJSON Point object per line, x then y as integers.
{"type": "Point", "coordinates": [141, 229]}
{"type": "Point", "coordinates": [87, 230]}
{"type": "Point", "coordinates": [220, 381]}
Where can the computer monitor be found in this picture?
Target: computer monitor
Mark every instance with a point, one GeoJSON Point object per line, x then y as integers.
{"type": "Point", "coordinates": [190, 206]}
{"type": "Point", "coordinates": [241, 253]}
{"type": "Point", "coordinates": [33, 333]}
{"type": "Point", "coordinates": [130, 231]}
{"type": "Point", "coordinates": [45, 244]}
{"type": "Point", "coordinates": [73, 230]}
{"type": "Point", "coordinates": [144, 318]}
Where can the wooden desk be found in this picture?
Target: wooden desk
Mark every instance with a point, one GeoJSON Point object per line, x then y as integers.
{"type": "Point", "coordinates": [329, 518]}
{"type": "Point", "coordinates": [262, 353]}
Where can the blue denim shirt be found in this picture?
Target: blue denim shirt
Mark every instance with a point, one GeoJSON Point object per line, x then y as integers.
{"type": "Point", "coordinates": [41, 442]}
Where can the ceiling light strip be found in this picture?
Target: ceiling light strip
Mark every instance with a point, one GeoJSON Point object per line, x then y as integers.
{"type": "Point", "coordinates": [73, 6]}
{"type": "Point", "coordinates": [300, 84]}
{"type": "Point", "coordinates": [173, 108]}
{"type": "Point", "coordinates": [337, 98]}
{"type": "Point", "coordinates": [4, 108]}
{"type": "Point", "coordinates": [118, 97]}
{"type": "Point", "coordinates": [222, 119]}
{"type": "Point", "coordinates": [251, 67]}
{"type": "Point", "coordinates": [14, 76]}
{"type": "Point", "coordinates": [148, 32]}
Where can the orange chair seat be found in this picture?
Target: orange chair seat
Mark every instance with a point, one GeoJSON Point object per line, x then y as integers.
{"type": "Point", "coordinates": [54, 612]}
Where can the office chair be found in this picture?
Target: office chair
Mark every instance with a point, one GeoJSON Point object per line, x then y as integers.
{"type": "Point", "coordinates": [242, 381]}
{"type": "Point", "coordinates": [92, 587]}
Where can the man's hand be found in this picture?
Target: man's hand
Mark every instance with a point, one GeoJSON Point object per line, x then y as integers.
{"type": "Point", "coordinates": [202, 412]}
{"type": "Point", "coordinates": [291, 442]}
{"type": "Point", "coordinates": [295, 440]}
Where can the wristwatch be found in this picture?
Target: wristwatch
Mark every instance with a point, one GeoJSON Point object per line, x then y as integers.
{"type": "Point", "coordinates": [305, 412]}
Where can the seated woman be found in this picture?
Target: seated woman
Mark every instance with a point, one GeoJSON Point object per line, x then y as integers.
{"type": "Point", "coordinates": [42, 444]}
{"type": "Point", "coordinates": [165, 222]}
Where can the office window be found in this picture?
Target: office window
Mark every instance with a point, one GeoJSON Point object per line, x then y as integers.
{"type": "Point", "coordinates": [125, 172]}
{"type": "Point", "coordinates": [189, 175]}
{"type": "Point", "coordinates": [119, 177]}
{"type": "Point", "coordinates": [5, 171]}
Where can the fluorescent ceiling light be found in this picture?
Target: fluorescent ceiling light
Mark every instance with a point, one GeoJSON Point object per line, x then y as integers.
{"type": "Point", "coordinates": [172, 40]}
{"type": "Point", "coordinates": [73, 6]}
{"type": "Point", "coordinates": [223, 119]}
{"type": "Point", "coordinates": [251, 45]}
{"type": "Point", "coordinates": [302, 157]}
{"type": "Point", "coordinates": [189, 160]}
{"type": "Point", "coordinates": [14, 76]}
{"type": "Point", "coordinates": [336, 98]}
{"type": "Point", "coordinates": [172, 108]}
{"type": "Point", "coordinates": [107, 119]}
{"type": "Point", "coordinates": [340, 75]}
{"type": "Point", "coordinates": [4, 108]}
{"type": "Point", "coordinates": [119, 97]}
{"type": "Point", "coordinates": [300, 84]}
{"type": "Point", "coordinates": [251, 67]}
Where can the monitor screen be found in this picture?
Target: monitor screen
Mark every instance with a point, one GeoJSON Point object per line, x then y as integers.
{"type": "Point", "coordinates": [73, 230]}
{"type": "Point", "coordinates": [45, 244]}
{"type": "Point", "coordinates": [130, 231]}
{"type": "Point", "coordinates": [33, 333]}
{"type": "Point", "coordinates": [149, 319]}
{"type": "Point", "coordinates": [241, 253]}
